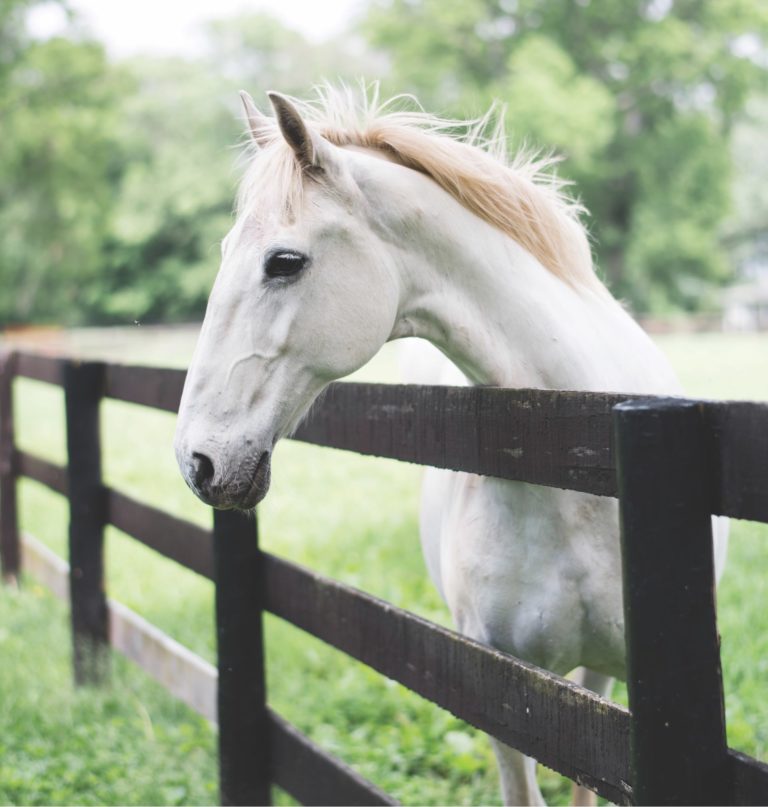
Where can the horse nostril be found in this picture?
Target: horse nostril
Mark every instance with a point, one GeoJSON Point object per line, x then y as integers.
{"type": "Point", "coordinates": [202, 470]}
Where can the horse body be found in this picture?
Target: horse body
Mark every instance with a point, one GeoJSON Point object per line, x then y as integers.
{"type": "Point", "coordinates": [532, 571]}
{"type": "Point", "coordinates": [385, 253]}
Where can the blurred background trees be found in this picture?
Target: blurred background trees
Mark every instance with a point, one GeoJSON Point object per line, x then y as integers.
{"type": "Point", "coordinates": [58, 168]}
{"type": "Point", "coordinates": [640, 97]}
{"type": "Point", "coordinates": [117, 178]}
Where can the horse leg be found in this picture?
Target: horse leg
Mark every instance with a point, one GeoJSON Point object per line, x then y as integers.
{"type": "Point", "coordinates": [517, 772]}
{"type": "Point", "coordinates": [601, 684]}
{"type": "Point", "coordinates": [518, 776]}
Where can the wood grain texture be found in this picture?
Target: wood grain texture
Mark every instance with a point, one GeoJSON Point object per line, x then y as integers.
{"type": "Point", "coordinates": [677, 739]}
{"type": "Point", "coordinates": [244, 772]}
{"type": "Point", "coordinates": [740, 432]}
{"type": "Point", "coordinates": [562, 439]}
{"type": "Point", "coordinates": [563, 726]}
{"type": "Point", "coordinates": [83, 384]}
{"type": "Point", "coordinates": [544, 437]}
{"type": "Point", "coordinates": [548, 437]}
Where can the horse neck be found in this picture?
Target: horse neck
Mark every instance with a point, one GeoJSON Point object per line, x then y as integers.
{"type": "Point", "coordinates": [504, 319]}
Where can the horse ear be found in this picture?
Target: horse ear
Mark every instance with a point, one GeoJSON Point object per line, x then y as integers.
{"type": "Point", "coordinates": [259, 125]}
{"type": "Point", "coordinates": [294, 130]}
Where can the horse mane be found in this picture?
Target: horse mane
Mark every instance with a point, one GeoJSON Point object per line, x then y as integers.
{"type": "Point", "coordinates": [520, 196]}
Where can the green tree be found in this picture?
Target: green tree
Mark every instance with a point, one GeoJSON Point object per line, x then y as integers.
{"type": "Point", "coordinates": [640, 97]}
{"type": "Point", "coordinates": [747, 227]}
{"type": "Point", "coordinates": [173, 200]}
{"type": "Point", "coordinates": [179, 125]}
{"type": "Point", "coordinates": [13, 35]}
{"type": "Point", "coordinates": [57, 167]}
{"type": "Point", "coordinates": [116, 181]}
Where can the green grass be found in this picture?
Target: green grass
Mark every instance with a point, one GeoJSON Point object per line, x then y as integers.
{"type": "Point", "coordinates": [720, 365]}
{"type": "Point", "coordinates": [350, 517]}
{"type": "Point", "coordinates": [128, 744]}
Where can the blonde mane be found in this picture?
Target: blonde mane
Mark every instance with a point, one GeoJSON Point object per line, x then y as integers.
{"type": "Point", "coordinates": [467, 159]}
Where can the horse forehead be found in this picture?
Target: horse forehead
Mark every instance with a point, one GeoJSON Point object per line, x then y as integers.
{"type": "Point", "coordinates": [317, 212]}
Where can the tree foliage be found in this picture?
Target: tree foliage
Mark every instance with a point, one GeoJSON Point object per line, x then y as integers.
{"type": "Point", "coordinates": [748, 222]}
{"type": "Point", "coordinates": [173, 198]}
{"type": "Point", "coordinates": [639, 97]}
{"type": "Point", "coordinates": [116, 180]}
{"type": "Point", "coordinates": [57, 168]}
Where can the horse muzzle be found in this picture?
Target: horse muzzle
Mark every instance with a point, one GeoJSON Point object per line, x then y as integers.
{"type": "Point", "coordinates": [242, 490]}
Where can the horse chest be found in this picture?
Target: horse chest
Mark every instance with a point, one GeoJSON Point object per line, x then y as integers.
{"type": "Point", "coordinates": [529, 570]}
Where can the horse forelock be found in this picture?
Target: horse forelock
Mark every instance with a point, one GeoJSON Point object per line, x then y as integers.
{"type": "Point", "coordinates": [521, 196]}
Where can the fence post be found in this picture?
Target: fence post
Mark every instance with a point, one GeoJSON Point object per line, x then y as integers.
{"type": "Point", "coordinates": [83, 386]}
{"type": "Point", "coordinates": [10, 552]}
{"type": "Point", "coordinates": [678, 747]}
{"type": "Point", "coordinates": [243, 721]}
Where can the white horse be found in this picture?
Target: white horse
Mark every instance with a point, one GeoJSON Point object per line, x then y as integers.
{"type": "Point", "coordinates": [357, 225]}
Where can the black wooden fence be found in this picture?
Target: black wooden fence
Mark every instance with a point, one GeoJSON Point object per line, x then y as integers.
{"type": "Point", "coordinates": [671, 462]}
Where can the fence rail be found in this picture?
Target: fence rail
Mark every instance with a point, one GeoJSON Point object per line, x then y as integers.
{"type": "Point", "coordinates": [547, 437]}
{"type": "Point", "coordinates": [564, 439]}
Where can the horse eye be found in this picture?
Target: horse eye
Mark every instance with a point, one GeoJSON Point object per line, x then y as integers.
{"type": "Point", "coordinates": [284, 264]}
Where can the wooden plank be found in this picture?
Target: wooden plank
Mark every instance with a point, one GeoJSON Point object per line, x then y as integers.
{"type": "Point", "coordinates": [539, 436]}
{"type": "Point", "coordinates": [741, 440]}
{"type": "Point", "coordinates": [298, 765]}
{"type": "Point", "coordinates": [90, 619]}
{"type": "Point", "coordinates": [181, 541]}
{"type": "Point", "coordinates": [177, 669]}
{"type": "Point", "coordinates": [244, 777]}
{"type": "Point", "coordinates": [547, 437]}
{"type": "Point", "coordinates": [750, 779]}
{"type": "Point", "coordinates": [312, 776]}
{"type": "Point", "coordinates": [506, 433]}
{"type": "Point", "coordinates": [46, 566]}
{"type": "Point", "coordinates": [157, 387]}
{"type": "Point", "coordinates": [543, 437]}
{"type": "Point", "coordinates": [47, 473]}
{"type": "Point", "coordinates": [567, 728]}
{"type": "Point", "coordinates": [677, 739]}
{"type": "Point", "coordinates": [49, 369]}
{"type": "Point", "coordinates": [184, 674]}
{"type": "Point", "coordinates": [10, 552]}
{"type": "Point", "coordinates": [749, 775]}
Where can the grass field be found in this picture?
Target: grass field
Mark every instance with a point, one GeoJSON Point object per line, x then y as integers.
{"type": "Point", "coordinates": [351, 517]}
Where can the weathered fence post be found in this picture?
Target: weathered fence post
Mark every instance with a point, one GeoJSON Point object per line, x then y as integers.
{"type": "Point", "coordinates": [243, 721]}
{"type": "Point", "coordinates": [10, 554]}
{"type": "Point", "coordinates": [678, 746]}
{"type": "Point", "coordinates": [83, 386]}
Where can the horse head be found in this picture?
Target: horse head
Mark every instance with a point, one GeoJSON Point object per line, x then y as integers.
{"type": "Point", "coordinates": [306, 293]}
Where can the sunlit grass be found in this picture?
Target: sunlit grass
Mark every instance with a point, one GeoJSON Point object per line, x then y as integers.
{"type": "Point", "coordinates": [353, 518]}
{"type": "Point", "coordinates": [720, 365]}
{"type": "Point", "coordinates": [127, 744]}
